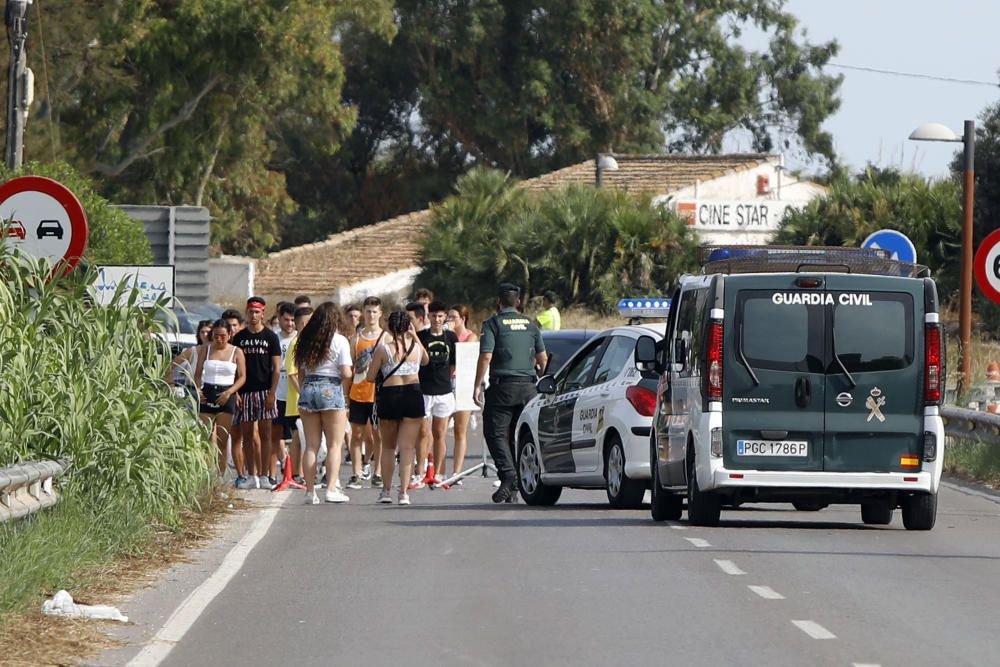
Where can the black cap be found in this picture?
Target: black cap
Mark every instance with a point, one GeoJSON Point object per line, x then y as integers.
{"type": "Point", "coordinates": [507, 288]}
{"type": "Point", "coordinates": [550, 295]}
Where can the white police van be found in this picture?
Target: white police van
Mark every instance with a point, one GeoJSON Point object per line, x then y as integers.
{"type": "Point", "coordinates": [803, 375]}
{"type": "Point", "coordinates": [589, 425]}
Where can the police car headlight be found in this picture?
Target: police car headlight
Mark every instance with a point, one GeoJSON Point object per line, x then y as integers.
{"type": "Point", "coordinates": [716, 447]}
{"type": "Point", "coordinates": [930, 446]}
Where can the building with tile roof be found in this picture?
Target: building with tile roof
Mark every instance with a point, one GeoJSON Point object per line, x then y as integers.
{"type": "Point", "coordinates": [384, 258]}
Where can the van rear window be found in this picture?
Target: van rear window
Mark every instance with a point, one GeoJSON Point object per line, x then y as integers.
{"type": "Point", "coordinates": [780, 337]}
{"type": "Point", "coordinates": [876, 337]}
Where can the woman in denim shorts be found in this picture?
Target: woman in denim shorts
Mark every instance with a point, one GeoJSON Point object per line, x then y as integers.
{"type": "Point", "coordinates": [323, 359]}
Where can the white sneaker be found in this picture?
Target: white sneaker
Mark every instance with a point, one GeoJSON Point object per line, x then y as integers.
{"type": "Point", "coordinates": [265, 483]}
{"type": "Point", "coordinates": [312, 499]}
{"type": "Point", "coordinates": [256, 481]}
{"type": "Point", "coordinates": [335, 495]}
{"type": "Point", "coordinates": [404, 499]}
{"type": "Point", "coordinates": [384, 497]}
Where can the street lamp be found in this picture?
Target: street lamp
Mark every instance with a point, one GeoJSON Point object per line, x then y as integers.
{"type": "Point", "coordinates": [938, 132]}
{"type": "Point", "coordinates": [602, 163]}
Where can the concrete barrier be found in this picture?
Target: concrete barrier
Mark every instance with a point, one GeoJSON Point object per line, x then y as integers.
{"type": "Point", "coordinates": [27, 488]}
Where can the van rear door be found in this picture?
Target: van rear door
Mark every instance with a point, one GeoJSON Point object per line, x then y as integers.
{"type": "Point", "coordinates": [874, 394]}
{"type": "Point", "coordinates": [774, 387]}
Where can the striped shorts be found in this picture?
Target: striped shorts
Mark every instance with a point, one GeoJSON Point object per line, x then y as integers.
{"type": "Point", "coordinates": [252, 407]}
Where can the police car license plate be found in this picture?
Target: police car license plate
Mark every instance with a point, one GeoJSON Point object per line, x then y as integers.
{"type": "Point", "coordinates": [772, 448]}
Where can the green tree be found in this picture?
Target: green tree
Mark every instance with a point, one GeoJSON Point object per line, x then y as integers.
{"type": "Point", "coordinates": [114, 237]}
{"type": "Point", "coordinates": [927, 211]}
{"type": "Point", "coordinates": [191, 101]}
{"type": "Point", "coordinates": [590, 246]}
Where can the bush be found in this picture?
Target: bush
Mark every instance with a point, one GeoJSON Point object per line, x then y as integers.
{"type": "Point", "coordinates": [115, 238]}
{"type": "Point", "coordinates": [85, 385]}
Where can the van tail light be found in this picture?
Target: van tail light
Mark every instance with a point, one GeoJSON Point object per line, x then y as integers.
{"type": "Point", "coordinates": [642, 399]}
{"type": "Point", "coordinates": [713, 362]}
{"type": "Point", "coordinates": [933, 364]}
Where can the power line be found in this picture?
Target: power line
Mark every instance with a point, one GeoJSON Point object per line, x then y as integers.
{"type": "Point", "coordinates": [913, 75]}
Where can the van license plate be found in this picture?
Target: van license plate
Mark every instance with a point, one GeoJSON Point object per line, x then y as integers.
{"type": "Point", "coordinates": [772, 448]}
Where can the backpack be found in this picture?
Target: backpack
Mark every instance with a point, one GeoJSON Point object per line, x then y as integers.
{"type": "Point", "coordinates": [363, 359]}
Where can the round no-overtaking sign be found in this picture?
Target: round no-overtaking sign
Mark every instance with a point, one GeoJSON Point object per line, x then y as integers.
{"type": "Point", "coordinates": [42, 218]}
{"type": "Point", "coordinates": [987, 266]}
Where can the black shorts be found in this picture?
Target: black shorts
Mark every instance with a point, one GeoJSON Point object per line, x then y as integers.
{"type": "Point", "coordinates": [285, 422]}
{"type": "Point", "coordinates": [361, 413]}
{"type": "Point", "coordinates": [211, 393]}
{"type": "Point", "coordinates": [401, 402]}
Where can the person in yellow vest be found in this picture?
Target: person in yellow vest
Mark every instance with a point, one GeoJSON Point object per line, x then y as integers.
{"type": "Point", "coordinates": [549, 318]}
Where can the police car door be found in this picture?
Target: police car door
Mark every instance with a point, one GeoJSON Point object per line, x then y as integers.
{"type": "Point", "coordinates": [874, 396]}
{"type": "Point", "coordinates": [774, 387]}
{"type": "Point", "coordinates": [555, 420]}
{"type": "Point", "coordinates": [594, 402]}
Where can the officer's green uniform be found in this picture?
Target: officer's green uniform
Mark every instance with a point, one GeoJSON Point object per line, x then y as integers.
{"type": "Point", "coordinates": [514, 341]}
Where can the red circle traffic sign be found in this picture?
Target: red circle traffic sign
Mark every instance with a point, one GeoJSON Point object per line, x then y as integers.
{"type": "Point", "coordinates": [45, 220]}
{"type": "Point", "coordinates": [988, 266]}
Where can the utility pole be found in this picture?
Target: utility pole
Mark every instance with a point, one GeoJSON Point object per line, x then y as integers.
{"type": "Point", "coordinates": [19, 83]}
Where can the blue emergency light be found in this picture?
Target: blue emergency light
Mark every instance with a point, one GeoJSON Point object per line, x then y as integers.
{"type": "Point", "coordinates": [644, 307]}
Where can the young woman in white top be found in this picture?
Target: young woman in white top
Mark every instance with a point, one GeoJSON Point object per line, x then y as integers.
{"type": "Point", "coordinates": [221, 371]}
{"type": "Point", "coordinates": [398, 403]}
{"type": "Point", "coordinates": [458, 320]}
{"type": "Point", "coordinates": [323, 361]}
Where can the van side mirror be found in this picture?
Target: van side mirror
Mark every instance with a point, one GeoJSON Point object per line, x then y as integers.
{"type": "Point", "coordinates": [680, 354]}
{"type": "Point", "coordinates": [546, 385]}
{"type": "Point", "coordinates": [645, 353]}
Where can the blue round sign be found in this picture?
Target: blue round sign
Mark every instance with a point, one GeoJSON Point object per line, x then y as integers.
{"type": "Point", "coordinates": [895, 243]}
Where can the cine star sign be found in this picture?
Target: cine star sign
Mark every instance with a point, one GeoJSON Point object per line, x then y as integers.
{"type": "Point", "coordinates": [42, 218]}
{"type": "Point", "coordinates": [734, 215]}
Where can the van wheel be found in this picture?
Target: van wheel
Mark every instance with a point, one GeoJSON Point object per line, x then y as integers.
{"type": "Point", "coordinates": [920, 511]}
{"type": "Point", "coordinates": [876, 513]}
{"type": "Point", "coordinates": [810, 507]}
{"type": "Point", "coordinates": [529, 472]}
{"type": "Point", "coordinates": [623, 493]}
{"type": "Point", "coordinates": [663, 505]}
{"type": "Point", "coordinates": [704, 508]}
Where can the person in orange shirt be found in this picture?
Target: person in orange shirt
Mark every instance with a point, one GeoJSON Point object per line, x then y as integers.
{"type": "Point", "coordinates": [366, 445]}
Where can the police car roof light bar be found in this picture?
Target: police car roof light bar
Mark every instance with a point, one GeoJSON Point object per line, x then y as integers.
{"type": "Point", "coordinates": [638, 308]}
{"type": "Point", "coordinates": [796, 259]}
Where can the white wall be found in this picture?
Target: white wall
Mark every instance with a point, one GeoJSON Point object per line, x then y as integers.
{"type": "Point", "coordinates": [230, 279]}
{"type": "Point", "coordinates": [398, 284]}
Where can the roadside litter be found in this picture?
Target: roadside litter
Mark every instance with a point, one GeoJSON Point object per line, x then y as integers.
{"type": "Point", "coordinates": [62, 604]}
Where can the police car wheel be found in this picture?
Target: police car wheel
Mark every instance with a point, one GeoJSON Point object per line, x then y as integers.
{"type": "Point", "coordinates": [876, 513]}
{"type": "Point", "coordinates": [663, 505]}
{"type": "Point", "coordinates": [919, 511]}
{"type": "Point", "coordinates": [809, 507]}
{"type": "Point", "coordinates": [704, 508]}
{"type": "Point", "coordinates": [529, 472]}
{"type": "Point", "coordinates": [623, 493]}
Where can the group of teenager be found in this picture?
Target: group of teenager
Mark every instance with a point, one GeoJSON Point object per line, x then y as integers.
{"type": "Point", "coordinates": [330, 367]}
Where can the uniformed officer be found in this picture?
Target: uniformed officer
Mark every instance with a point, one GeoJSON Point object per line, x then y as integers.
{"type": "Point", "coordinates": [511, 348]}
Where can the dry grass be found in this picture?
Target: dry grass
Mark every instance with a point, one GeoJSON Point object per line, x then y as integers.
{"type": "Point", "coordinates": [32, 638]}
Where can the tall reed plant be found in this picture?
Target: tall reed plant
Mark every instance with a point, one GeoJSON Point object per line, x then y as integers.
{"type": "Point", "coordinates": [84, 384]}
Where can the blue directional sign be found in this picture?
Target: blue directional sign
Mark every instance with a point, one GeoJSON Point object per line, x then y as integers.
{"type": "Point", "coordinates": [895, 243]}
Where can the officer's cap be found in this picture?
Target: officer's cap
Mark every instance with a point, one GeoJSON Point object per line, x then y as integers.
{"type": "Point", "coordinates": [507, 288]}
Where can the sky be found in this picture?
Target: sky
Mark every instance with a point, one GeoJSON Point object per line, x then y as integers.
{"type": "Point", "coordinates": [956, 39]}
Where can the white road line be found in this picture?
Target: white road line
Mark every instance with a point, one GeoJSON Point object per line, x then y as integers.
{"type": "Point", "coordinates": [767, 592]}
{"type": "Point", "coordinates": [188, 612]}
{"type": "Point", "coordinates": [729, 567]}
{"type": "Point", "coordinates": [678, 526]}
{"type": "Point", "coordinates": [814, 629]}
{"type": "Point", "coordinates": [698, 542]}
{"type": "Point", "coordinates": [865, 664]}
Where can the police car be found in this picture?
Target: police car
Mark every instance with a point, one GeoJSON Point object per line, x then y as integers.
{"type": "Point", "coordinates": [589, 425]}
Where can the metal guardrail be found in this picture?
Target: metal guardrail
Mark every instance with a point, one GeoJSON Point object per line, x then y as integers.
{"type": "Point", "coordinates": [27, 488]}
{"type": "Point", "coordinates": [966, 424]}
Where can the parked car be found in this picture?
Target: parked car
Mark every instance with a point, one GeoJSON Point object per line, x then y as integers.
{"type": "Point", "coordinates": [562, 344]}
{"type": "Point", "coordinates": [807, 375]}
{"type": "Point", "coordinates": [589, 425]}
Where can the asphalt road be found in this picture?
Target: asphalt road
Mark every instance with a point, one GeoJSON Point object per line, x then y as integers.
{"type": "Point", "coordinates": [456, 580]}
